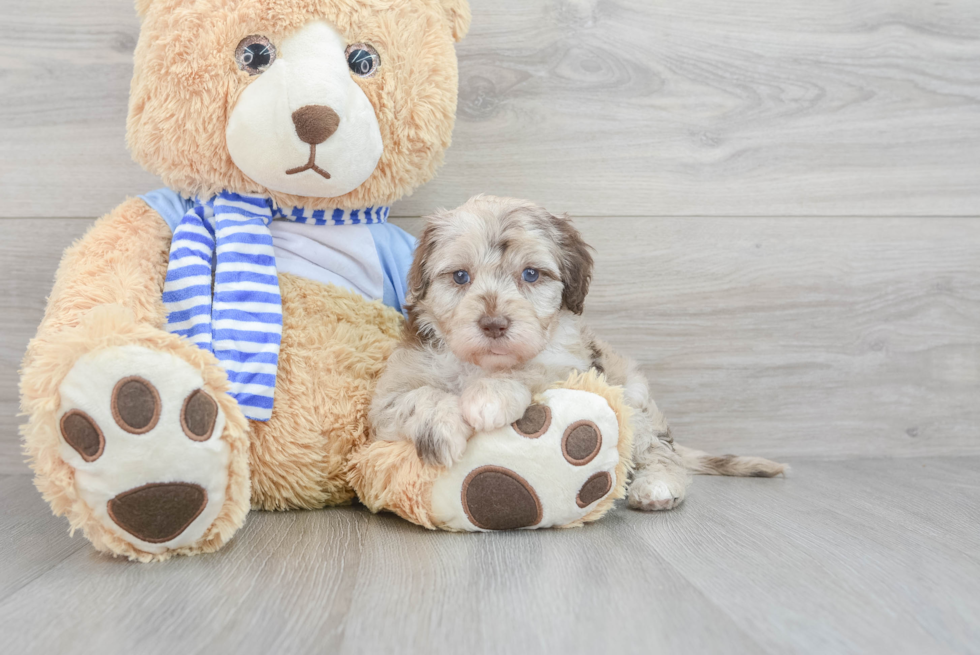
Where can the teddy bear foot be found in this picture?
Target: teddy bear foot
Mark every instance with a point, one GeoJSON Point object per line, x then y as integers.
{"type": "Point", "coordinates": [143, 434]}
{"type": "Point", "coordinates": [551, 468]}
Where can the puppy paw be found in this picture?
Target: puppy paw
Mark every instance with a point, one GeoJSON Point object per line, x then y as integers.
{"type": "Point", "coordinates": [491, 404]}
{"type": "Point", "coordinates": [440, 436]}
{"type": "Point", "coordinates": [651, 493]}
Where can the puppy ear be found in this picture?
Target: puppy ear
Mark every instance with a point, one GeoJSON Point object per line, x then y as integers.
{"type": "Point", "coordinates": [575, 265]}
{"type": "Point", "coordinates": [458, 13]}
{"type": "Point", "coordinates": [418, 276]}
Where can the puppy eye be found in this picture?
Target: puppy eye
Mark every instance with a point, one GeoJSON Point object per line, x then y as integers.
{"type": "Point", "coordinates": [461, 277]}
{"type": "Point", "coordinates": [530, 275]}
{"type": "Point", "coordinates": [363, 59]}
{"type": "Point", "coordinates": [255, 54]}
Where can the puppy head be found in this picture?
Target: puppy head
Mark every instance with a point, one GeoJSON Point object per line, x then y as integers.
{"type": "Point", "coordinates": [492, 277]}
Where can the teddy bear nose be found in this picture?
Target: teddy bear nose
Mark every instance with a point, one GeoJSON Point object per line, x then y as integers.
{"type": "Point", "coordinates": [315, 123]}
{"type": "Point", "coordinates": [494, 326]}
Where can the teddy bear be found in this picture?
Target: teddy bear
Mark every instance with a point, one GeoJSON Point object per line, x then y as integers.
{"type": "Point", "coordinates": [212, 347]}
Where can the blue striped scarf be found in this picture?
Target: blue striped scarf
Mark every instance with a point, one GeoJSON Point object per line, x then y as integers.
{"type": "Point", "coordinates": [222, 290]}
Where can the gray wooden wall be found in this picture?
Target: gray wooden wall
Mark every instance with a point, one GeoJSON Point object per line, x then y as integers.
{"type": "Point", "coordinates": [784, 195]}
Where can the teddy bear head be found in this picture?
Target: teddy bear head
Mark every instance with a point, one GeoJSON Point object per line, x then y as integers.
{"type": "Point", "coordinates": [314, 103]}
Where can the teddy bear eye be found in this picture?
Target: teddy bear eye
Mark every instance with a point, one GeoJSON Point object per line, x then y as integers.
{"type": "Point", "coordinates": [461, 277]}
{"type": "Point", "coordinates": [255, 54]}
{"type": "Point", "coordinates": [362, 59]}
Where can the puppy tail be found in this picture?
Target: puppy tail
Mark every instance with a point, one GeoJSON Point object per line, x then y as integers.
{"type": "Point", "coordinates": [701, 462]}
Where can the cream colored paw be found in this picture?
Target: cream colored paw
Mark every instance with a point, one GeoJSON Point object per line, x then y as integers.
{"type": "Point", "coordinates": [144, 438]}
{"type": "Point", "coordinates": [492, 404]}
{"type": "Point", "coordinates": [550, 467]}
{"type": "Point", "coordinates": [651, 493]}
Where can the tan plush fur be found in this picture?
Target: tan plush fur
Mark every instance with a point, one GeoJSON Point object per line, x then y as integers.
{"type": "Point", "coordinates": [388, 475]}
{"type": "Point", "coordinates": [333, 349]}
{"type": "Point", "coordinates": [122, 259]}
{"type": "Point", "coordinates": [186, 84]}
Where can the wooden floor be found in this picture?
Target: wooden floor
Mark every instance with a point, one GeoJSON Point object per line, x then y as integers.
{"type": "Point", "coordinates": [854, 556]}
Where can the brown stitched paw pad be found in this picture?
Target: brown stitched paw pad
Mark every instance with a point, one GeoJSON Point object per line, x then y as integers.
{"type": "Point", "coordinates": [198, 415]}
{"type": "Point", "coordinates": [594, 489]}
{"type": "Point", "coordinates": [581, 442]}
{"type": "Point", "coordinates": [83, 434]}
{"type": "Point", "coordinates": [158, 512]}
{"type": "Point", "coordinates": [495, 498]}
{"type": "Point", "coordinates": [135, 405]}
{"type": "Point", "coordinates": [535, 422]}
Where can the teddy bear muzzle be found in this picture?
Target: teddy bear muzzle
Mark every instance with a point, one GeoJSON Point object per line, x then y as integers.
{"type": "Point", "coordinates": [304, 126]}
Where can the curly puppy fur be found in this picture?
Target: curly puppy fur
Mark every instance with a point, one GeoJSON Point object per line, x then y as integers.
{"type": "Point", "coordinates": [497, 290]}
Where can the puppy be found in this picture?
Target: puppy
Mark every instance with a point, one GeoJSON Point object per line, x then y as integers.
{"type": "Point", "coordinates": [496, 294]}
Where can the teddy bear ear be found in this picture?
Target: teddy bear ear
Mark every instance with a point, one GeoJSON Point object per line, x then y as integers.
{"type": "Point", "coordinates": [458, 12]}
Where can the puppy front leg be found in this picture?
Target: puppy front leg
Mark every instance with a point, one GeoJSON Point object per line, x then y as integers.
{"type": "Point", "coordinates": [491, 403]}
{"type": "Point", "coordinates": [428, 417]}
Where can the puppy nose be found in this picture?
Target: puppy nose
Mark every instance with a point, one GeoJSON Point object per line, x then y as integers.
{"type": "Point", "coordinates": [315, 123]}
{"type": "Point", "coordinates": [494, 326]}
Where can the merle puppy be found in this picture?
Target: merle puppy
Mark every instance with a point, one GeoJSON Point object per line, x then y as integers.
{"type": "Point", "coordinates": [494, 315]}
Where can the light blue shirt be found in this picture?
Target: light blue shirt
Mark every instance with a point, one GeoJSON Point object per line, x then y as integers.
{"type": "Point", "coordinates": [372, 260]}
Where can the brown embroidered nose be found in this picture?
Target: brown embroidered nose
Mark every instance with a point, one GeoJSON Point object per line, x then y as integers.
{"type": "Point", "coordinates": [315, 123]}
{"type": "Point", "coordinates": [494, 326]}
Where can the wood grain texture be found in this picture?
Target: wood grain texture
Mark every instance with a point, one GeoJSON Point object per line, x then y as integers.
{"type": "Point", "coordinates": [839, 557]}
{"type": "Point", "coordinates": [611, 107]}
{"type": "Point", "coordinates": [32, 540]}
{"type": "Point", "coordinates": [783, 337]}
{"type": "Point", "coordinates": [29, 257]}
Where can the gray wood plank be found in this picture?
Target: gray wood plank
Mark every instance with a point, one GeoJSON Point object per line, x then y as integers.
{"type": "Point", "coordinates": [823, 561]}
{"type": "Point", "coordinates": [288, 572]}
{"type": "Point", "coordinates": [836, 558]}
{"type": "Point", "coordinates": [785, 337]}
{"type": "Point", "coordinates": [342, 580]}
{"type": "Point", "coordinates": [32, 539]}
{"type": "Point", "coordinates": [627, 107]}
{"type": "Point", "coordinates": [577, 591]}
{"type": "Point", "coordinates": [810, 337]}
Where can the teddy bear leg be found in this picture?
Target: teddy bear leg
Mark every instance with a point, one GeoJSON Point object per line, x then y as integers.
{"type": "Point", "coordinates": [131, 433]}
{"type": "Point", "coordinates": [138, 443]}
{"type": "Point", "coordinates": [562, 464]}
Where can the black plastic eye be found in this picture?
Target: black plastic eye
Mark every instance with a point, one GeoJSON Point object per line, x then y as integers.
{"type": "Point", "coordinates": [461, 277]}
{"type": "Point", "coordinates": [363, 59]}
{"type": "Point", "coordinates": [530, 275]}
{"type": "Point", "coordinates": [255, 54]}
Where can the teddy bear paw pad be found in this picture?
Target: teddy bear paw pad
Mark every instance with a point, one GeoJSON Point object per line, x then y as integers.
{"type": "Point", "coordinates": [549, 468]}
{"type": "Point", "coordinates": [143, 436]}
